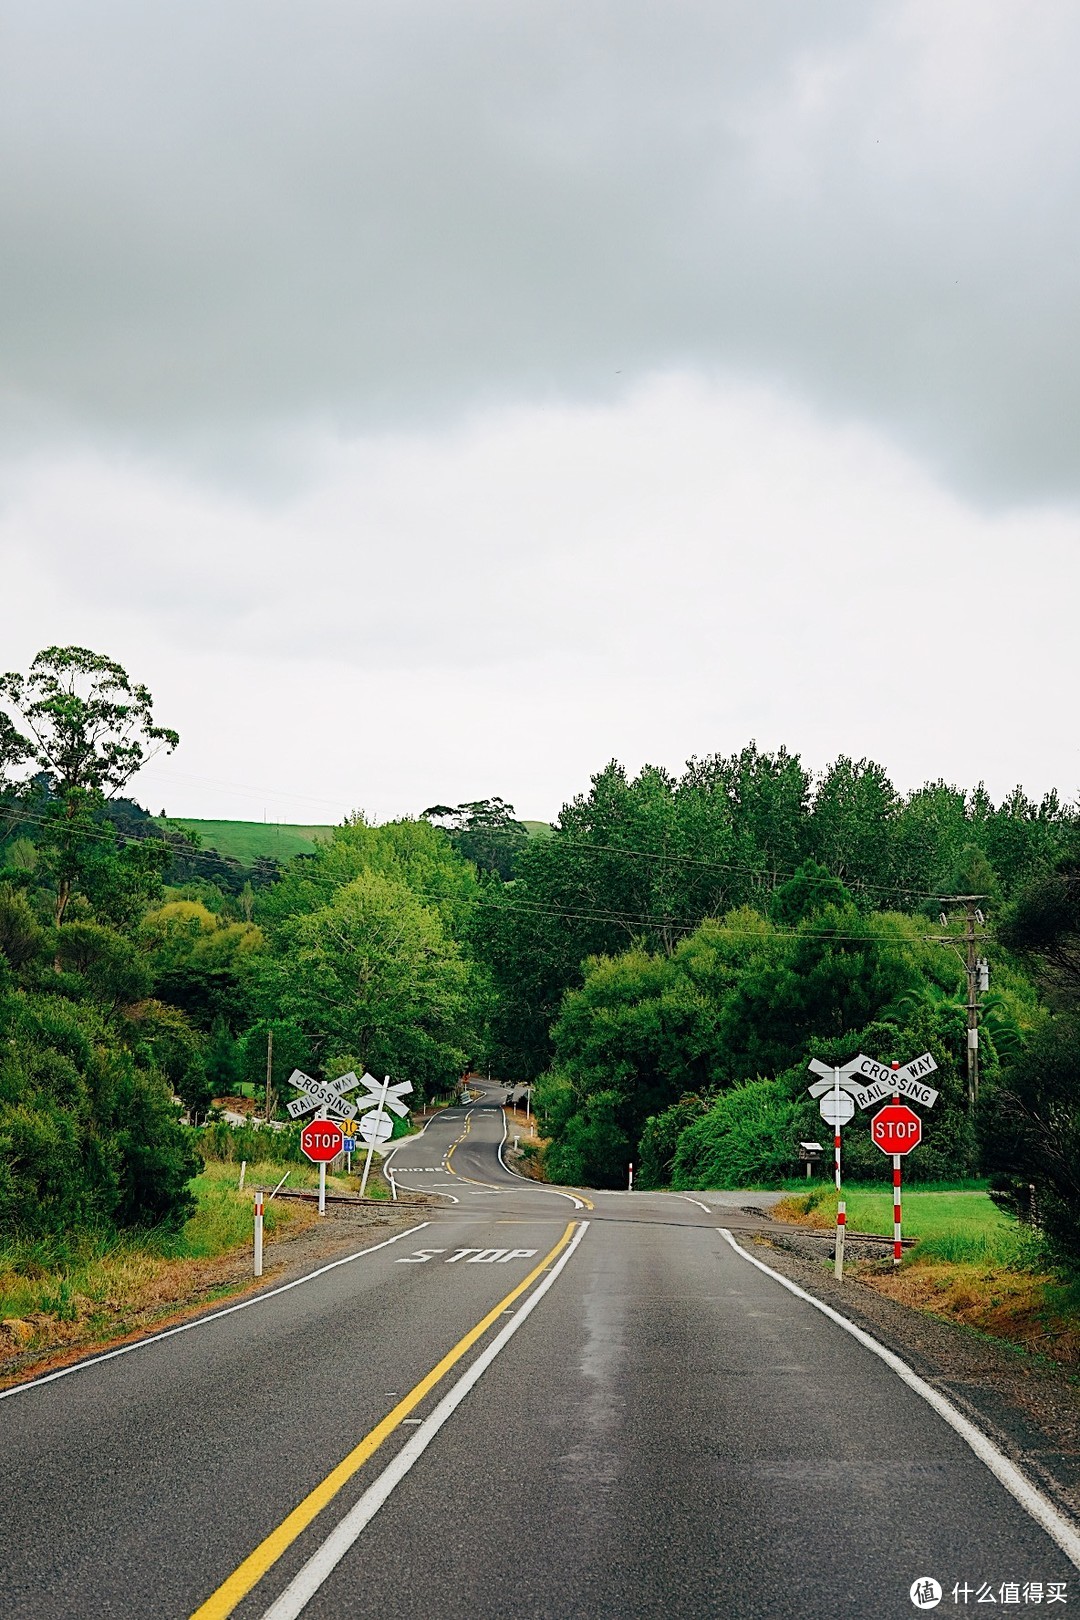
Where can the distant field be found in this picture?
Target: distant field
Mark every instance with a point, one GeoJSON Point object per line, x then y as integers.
{"type": "Point", "coordinates": [245, 841]}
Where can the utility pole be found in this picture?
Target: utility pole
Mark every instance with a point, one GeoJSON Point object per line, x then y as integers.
{"type": "Point", "coordinates": [977, 970]}
{"type": "Point", "coordinates": [269, 1069]}
{"type": "Point", "coordinates": [972, 1006]}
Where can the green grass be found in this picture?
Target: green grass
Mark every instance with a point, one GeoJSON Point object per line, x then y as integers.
{"type": "Point", "coordinates": [76, 1276]}
{"type": "Point", "coordinates": [958, 1224]}
{"type": "Point", "coordinates": [246, 841]}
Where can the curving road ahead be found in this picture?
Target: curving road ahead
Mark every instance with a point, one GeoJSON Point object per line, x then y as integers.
{"type": "Point", "coordinates": [531, 1402]}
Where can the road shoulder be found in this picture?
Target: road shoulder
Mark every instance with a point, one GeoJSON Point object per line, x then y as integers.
{"type": "Point", "coordinates": [1029, 1407]}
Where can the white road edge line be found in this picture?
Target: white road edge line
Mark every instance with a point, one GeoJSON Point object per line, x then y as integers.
{"type": "Point", "coordinates": [1005, 1472]}
{"type": "Point", "coordinates": [302, 1588]}
{"type": "Point", "coordinates": [696, 1201]}
{"type": "Point", "coordinates": [202, 1321]}
{"type": "Point", "coordinates": [426, 1188]}
{"type": "Point", "coordinates": [577, 1203]}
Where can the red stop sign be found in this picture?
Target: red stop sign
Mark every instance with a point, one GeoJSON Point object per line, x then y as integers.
{"type": "Point", "coordinates": [322, 1140]}
{"type": "Point", "coordinates": [896, 1129]}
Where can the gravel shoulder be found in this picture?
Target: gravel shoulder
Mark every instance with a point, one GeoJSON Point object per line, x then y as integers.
{"type": "Point", "coordinates": [1029, 1407]}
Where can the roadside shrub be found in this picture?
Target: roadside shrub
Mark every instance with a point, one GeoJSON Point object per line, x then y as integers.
{"type": "Point", "coordinates": [233, 1143]}
{"type": "Point", "coordinates": [1030, 1133]}
{"type": "Point", "coordinates": [660, 1140]}
{"type": "Point", "coordinates": [745, 1137]}
{"type": "Point", "coordinates": [594, 1150]}
{"type": "Point", "coordinates": [87, 1136]}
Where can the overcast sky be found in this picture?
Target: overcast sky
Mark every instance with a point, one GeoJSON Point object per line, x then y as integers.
{"type": "Point", "coordinates": [430, 400]}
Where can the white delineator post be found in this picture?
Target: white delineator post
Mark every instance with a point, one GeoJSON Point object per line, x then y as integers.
{"type": "Point", "coordinates": [630, 1181]}
{"type": "Point", "coordinates": [897, 1248]}
{"type": "Point", "coordinates": [258, 1232]}
{"type": "Point", "coordinates": [841, 1207]}
{"type": "Point", "coordinates": [371, 1144]}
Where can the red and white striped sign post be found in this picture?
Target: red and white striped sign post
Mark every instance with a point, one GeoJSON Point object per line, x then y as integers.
{"type": "Point", "coordinates": [836, 1109]}
{"type": "Point", "coordinates": [841, 1206]}
{"type": "Point", "coordinates": [895, 1185]}
{"type": "Point", "coordinates": [895, 1129]}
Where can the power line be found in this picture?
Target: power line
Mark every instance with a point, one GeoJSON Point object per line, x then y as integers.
{"type": "Point", "coordinates": [612, 918]}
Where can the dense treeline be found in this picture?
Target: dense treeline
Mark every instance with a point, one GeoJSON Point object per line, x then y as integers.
{"type": "Point", "coordinates": [662, 964]}
{"type": "Point", "coordinates": [693, 1065]}
{"type": "Point", "coordinates": [645, 860]}
{"type": "Point", "coordinates": [667, 961]}
{"type": "Point", "coordinates": [132, 994]}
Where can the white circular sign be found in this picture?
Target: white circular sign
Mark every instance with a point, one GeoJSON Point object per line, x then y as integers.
{"type": "Point", "coordinates": [837, 1110]}
{"type": "Point", "coordinates": [376, 1126]}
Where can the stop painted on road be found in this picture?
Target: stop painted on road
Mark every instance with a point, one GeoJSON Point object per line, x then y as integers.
{"type": "Point", "coordinates": [472, 1257]}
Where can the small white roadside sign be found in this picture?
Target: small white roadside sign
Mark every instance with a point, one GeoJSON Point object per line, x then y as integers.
{"type": "Point", "coordinates": [837, 1108]}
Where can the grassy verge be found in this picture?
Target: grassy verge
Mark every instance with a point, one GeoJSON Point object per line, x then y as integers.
{"type": "Point", "coordinates": [531, 1145]}
{"type": "Point", "coordinates": [972, 1264]}
{"type": "Point", "coordinates": [94, 1285]}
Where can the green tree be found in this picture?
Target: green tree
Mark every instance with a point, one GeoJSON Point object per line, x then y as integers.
{"type": "Point", "coordinates": [852, 828]}
{"type": "Point", "coordinates": [484, 832]}
{"type": "Point", "coordinates": [89, 729]}
{"type": "Point", "coordinates": [748, 1136]}
{"type": "Point", "coordinates": [1029, 1117]}
{"type": "Point", "coordinates": [374, 971]}
{"type": "Point", "coordinates": [223, 1060]}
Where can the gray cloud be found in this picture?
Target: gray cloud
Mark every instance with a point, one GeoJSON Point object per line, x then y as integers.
{"type": "Point", "coordinates": [225, 220]}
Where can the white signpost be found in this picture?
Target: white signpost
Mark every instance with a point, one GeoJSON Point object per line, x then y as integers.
{"type": "Point", "coordinates": [861, 1082]}
{"type": "Point", "coordinates": [378, 1126]}
{"type": "Point", "coordinates": [833, 1097]}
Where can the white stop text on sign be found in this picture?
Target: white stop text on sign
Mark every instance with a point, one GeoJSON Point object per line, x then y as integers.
{"type": "Point", "coordinates": [904, 1131]}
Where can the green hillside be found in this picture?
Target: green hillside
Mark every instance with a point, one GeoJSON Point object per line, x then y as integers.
{"type": "Point", "coordinates": [245, 841]}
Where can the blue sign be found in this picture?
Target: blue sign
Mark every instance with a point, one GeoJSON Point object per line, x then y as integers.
{"type": "Point", "coordinates": [349, 1145]}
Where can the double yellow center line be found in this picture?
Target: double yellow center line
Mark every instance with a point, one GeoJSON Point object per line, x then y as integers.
{"type": "Point", "coordinates": [231, 1591]}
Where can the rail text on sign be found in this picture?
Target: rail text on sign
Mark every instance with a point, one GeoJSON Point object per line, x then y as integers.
{"type": "Point", "coordinates": [873, 1081]}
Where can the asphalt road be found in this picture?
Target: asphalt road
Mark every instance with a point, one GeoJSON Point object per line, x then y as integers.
{"type": "Point", "coordinates": [537, 1403]}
